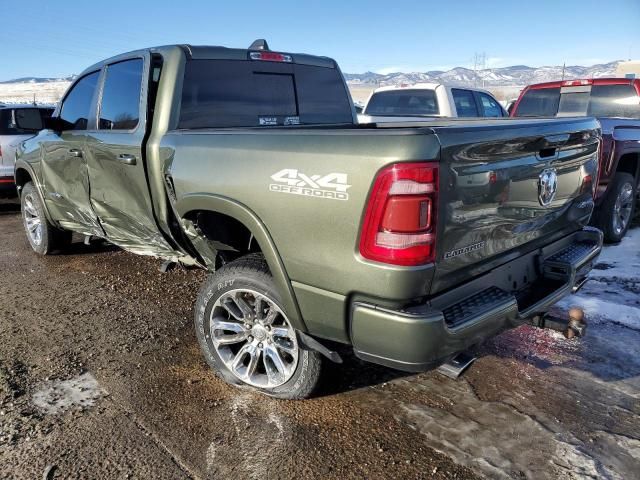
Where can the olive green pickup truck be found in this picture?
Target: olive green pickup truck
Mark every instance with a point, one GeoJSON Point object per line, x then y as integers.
{"type": "Point", "coordinates": [408, 242]}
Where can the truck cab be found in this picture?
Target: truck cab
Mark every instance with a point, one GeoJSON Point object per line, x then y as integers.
{"type": "Point", "coordinates": [429, 100]}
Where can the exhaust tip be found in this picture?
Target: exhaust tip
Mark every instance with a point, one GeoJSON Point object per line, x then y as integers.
{"type": "Point", "coordinates": [457, 365]}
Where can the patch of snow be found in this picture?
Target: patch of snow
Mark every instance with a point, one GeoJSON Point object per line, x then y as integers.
{"type": "Point", "coordinates": [63, 395]}
{"type": "Point", "coordinates": [495, 438]}
{"type": "Point", "coordinates": [613, 290]}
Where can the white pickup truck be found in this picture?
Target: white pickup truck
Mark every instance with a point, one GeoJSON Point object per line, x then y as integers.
{"type": "Point", "coordinates": [406, 103]}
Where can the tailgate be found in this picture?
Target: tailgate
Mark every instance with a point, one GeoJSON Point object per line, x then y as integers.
{"type": "Point", "coordinates": [510, 187]}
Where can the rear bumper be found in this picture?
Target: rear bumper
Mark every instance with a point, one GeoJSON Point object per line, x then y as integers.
{"type": "Point", "coordinates": [420, 337]}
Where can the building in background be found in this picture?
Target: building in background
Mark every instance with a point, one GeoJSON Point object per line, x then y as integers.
{"type": "Point", "coordinates": [630, 69]}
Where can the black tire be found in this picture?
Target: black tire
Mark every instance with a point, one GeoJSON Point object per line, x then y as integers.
{"type": "Point", "coordinates": [607, 216]}
{"type": "Point", "coordinates": [251, 273]}
{"type": "Point", "coordinates": [50, 238]}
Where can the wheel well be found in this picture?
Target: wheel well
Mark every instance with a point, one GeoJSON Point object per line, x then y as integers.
{"type": "Point", "coordinates": [22, 177]}
{"type": "Point", "coordinates": [230, 237]}
{"type": "Point", "coordinates": [628, 163]}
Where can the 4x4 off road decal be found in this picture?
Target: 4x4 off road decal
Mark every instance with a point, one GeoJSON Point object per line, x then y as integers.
{"type": "Point", "coordinates": [290, 180]}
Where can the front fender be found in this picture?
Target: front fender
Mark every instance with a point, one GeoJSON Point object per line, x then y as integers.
{"type": "Point", "coordinates": [226, 206]}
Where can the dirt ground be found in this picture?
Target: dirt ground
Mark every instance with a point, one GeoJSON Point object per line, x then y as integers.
{"type": "Point", "coordinates": [101, 377]}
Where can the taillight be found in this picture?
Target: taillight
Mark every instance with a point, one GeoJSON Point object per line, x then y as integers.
{"type": "Point", "coordinates": [400, 221]}
{"type": "Point", "coordinates": [588, 185]}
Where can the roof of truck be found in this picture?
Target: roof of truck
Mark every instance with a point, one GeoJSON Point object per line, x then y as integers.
{"type": "Point", "coordinates": [213, 52]}
{"type": "Point", "coordinates": [583, 81]}
{"type": "Point", "coordinates": [415, 86]}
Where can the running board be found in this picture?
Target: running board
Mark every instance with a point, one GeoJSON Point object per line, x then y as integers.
{"type": "Point", "coordinates": [457, 365]}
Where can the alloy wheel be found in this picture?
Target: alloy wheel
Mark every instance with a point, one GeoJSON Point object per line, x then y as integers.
{"type": "Point", "coordinates": [622, 208]}
{"type": "Point", "coordinates": [32, 220]}
{"type": "Point", "coordinates": [253, 338]}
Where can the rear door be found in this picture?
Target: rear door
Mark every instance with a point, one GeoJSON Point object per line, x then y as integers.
{"type": "Point", "coordinates": [119, 190]}
{"type": "Point", "coordinates": [64, 165]}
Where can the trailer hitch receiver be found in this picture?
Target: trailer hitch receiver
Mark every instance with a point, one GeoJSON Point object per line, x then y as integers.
{"type": "Point", "coordinates": [572, 327]}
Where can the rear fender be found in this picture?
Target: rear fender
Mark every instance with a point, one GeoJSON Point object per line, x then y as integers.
{"type": "Point", "coordinates": [223, 205]}
{"type": "Point", "coordinates": [25, 168]}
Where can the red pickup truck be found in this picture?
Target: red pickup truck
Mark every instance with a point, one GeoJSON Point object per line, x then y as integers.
{"type": "Point", "coordinates": [615, 102]}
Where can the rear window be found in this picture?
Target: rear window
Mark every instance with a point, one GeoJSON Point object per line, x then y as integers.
{"type": "Point", "coordinates": [542, 102]}
{"type": "Point", "coordinates": [34, 117]}
{"type": "Point", "coordinates": [403, 103]}
{"type": "Point", "coordinates": [236, 93]}
{"type": "Point", "coordinates": [598, 101]}
{"type": "Point", "coordinates": [614, 101]}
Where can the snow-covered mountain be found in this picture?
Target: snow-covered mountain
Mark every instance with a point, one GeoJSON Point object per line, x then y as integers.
{"type": "Point", "coordinates": [517, 75]}
{"type": "Point", "coordinates": [39, 79]}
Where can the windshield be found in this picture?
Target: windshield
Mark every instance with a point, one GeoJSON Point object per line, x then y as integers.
{"type": "Point", "coordinates": [616, 100]}
{"type": "Point", "coordinates": [237, 93]}
{"type": "Point", "coordinates": [404, 102]}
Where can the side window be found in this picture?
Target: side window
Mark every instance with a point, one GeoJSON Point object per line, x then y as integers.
{"type": "Point", "coordinates": [77, 104]}
{"type": "Point", "coordinates": [120, 106]}
{"type": "Point", "coordinates": [490, 107]}
{"type": "Point", "coordinates": [465, 103]}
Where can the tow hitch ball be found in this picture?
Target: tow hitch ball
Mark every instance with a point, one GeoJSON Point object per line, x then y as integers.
{"type": "Point", "coordinates": [574, 326]}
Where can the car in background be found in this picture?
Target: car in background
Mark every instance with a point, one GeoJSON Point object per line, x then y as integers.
{"type": "Point", "coordinates": [31, 120]}
{"type": "Point", "coordinates": [615, 102]}
{"type": "Point", "coordinates": [411, 102]}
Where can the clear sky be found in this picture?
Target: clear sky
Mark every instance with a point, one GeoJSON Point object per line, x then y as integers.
{"type": "Point", "coordinates": [58, 38]}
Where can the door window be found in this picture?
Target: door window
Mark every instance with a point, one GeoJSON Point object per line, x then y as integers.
{"type": "Point", "coordinates": [465, 103]}
{"type": "Point", "coordinates": [77, 104]}
{"type": "Point", "coordinates": [490, 107]}
{"type": "Point", "coordinates": [120, 106]}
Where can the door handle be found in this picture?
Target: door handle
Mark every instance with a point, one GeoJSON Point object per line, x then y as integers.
{"type": "Point", "coordinates": [127, 159]}
{"type": "Point", "coordinates": [74, 152]}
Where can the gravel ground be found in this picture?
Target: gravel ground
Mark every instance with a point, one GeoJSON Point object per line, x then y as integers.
{"type": "Point", "coordinates": [101, 377]}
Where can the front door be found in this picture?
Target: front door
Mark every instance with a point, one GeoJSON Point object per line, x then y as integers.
{"type": "Point", "coordinates": [119, 189]}
{"type": "Point", "coordinates": [64, 168]}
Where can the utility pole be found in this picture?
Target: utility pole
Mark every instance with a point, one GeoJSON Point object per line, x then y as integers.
{"type": "Point", "coordinates": [479, 64]}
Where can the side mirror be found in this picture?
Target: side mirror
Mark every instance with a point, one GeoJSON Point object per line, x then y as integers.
{"type": "Point", "coordinates": [28, 119]}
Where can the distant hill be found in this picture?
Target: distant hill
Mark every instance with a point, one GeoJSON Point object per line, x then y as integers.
{"type": "Point", "coordinates": [39, 79]}
{"type": "Point", "coordinates": [49, 90]}
{"type": "Point", "coordinates": [517, 75]}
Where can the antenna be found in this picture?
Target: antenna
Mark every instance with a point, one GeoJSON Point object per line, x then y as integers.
{"type": "Point", "coordinates": [259, 44]}
{"type": "Point", "coordinates": [563, 67]}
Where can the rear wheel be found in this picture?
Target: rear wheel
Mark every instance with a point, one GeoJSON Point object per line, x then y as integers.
{"type": "Point", "coordinates": [617, 209]}
{"type": "Point", "coordinates": [246, 335]}
{"type": "Point", "coordinates": [43, 237]}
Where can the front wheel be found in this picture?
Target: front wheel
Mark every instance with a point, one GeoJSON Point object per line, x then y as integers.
{"type": "Point", "coordinates": [246, 335]}
{"type": "Point", "coordinates": [43, 237]}
{"type": "Point", "coordinates": [617, 209]}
